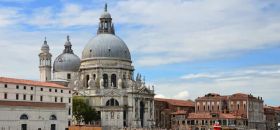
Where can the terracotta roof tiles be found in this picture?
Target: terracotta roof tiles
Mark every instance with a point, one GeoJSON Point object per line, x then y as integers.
{"type": "Point", "coordinates": [176, 102]}
{"type": "Point", "coordinates": [30, 82]}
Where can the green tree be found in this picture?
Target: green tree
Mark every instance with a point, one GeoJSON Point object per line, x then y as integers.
{"type": "Point", "coordinates": [83, 112]}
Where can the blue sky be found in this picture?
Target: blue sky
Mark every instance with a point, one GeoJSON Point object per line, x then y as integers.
{"type": "Point", "coordinates": [186, 48]}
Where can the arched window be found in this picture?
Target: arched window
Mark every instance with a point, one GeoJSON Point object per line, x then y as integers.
{"type": "Point", "coordinates": [114, 80]}
{"type": "Point", "coordinates": [105, 79]}
{"type": "Point", "coordinates": [112, 102]}
{"type": "Point", "coordinates": [87, 77]}
{"type": "Point", "coordinates": [24, 117]}
{"type": "Point", "coordinates": [53, 117]}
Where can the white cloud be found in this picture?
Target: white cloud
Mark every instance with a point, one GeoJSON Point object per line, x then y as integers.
{"type": "Point", "coordinates": [159, 96]}
{"type": "Point", "coordinates": [260, 81]}
{"type": "Point", "coordinates": [182, 95]}
{"type": "Point", "coordinates": [241, 74]}
{"type": "Point", "coordinates": [176, 31]}
{"type": "Point", "coordinates": [9, 16]}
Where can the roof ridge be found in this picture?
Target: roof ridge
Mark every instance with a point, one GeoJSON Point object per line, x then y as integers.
{"type": "Point", "coordinates": [29, 82]}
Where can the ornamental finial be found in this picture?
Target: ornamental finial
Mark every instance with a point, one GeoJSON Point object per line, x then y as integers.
{"type": "Point", "coordinates": [68, 38]}
{"type": "Point", "coordinates": [105, 8]}
{"type": "Point", "coordinates": [45, 40]}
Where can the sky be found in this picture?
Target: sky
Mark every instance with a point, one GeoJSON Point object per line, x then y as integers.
{"type": "Point", "coordinates": [185, 48]}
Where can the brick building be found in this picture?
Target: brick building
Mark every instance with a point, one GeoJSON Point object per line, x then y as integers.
{"type": "Point", "coordinates": [270, 118]}
{"type": "Point", "coordinates": [170, 111]}
{"type": "Point", "coordinates": [239, 110]}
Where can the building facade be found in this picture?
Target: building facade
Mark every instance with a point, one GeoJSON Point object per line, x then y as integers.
{"type": "Point", "coordinates": [105, 76]}
{"type": "Point", "coordinates": [171, 113]}
{"type": "Point", "coordinates": [238, 111]}
{"type": "Point", "coordinates": [34, 105]}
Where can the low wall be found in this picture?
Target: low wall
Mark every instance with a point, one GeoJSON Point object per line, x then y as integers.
{"type": "Point", "coordinates": [84, 128]}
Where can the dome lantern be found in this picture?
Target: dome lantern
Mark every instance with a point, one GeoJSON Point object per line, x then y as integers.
{"type": "Point", "coordinates": [105, 24]}
{"type": "Point", "coordinates": [68, 46]}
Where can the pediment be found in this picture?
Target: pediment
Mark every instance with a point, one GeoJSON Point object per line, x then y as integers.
{"type": "Point", "coordinates": [144, 90]}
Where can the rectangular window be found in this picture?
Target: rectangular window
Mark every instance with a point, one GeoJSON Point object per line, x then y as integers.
{"type": "Point", "coordinates": [69, 91]}
{"type": "Point", "coordinates": [50, 90]}
{"type": "Point", "coordinates": [41, 98]}
{"type": "Point", "coordinates": [69, 100]}
{"type": "Point", "coordinates": [17, 87]}
{"type": "Point", "coordinates": [24, 87]}
{"type": "Point", "coordinates": [5, 96]}
{"type": "Point", "coordinates": [31, 97]}
{"type": "Point", "coordinates": [42, 89]}
{"type": "Point", "coordinates": [69, 111]}
{"type": "Point", "coordinates": [55, 99]}
{"type": "Point", "coordinates": [16, 96]}
{"type": "Point", "coordinates": [55, 90]}
{"type": "Point", "coordinates": [6, 86]}
{"type": "Point", "coordinates": [31, 88]}
{"type": "Point", "coordinates": [24, 97]}
{"type": "Point", "coordinates": [61, 99]}
{"type": "Point", "coordinates": [61, 91]}
{"type": "Point", "coordinates": [68, 76]}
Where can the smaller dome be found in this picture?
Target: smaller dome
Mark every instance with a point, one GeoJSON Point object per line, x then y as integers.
{"type": "Point", "coordinates": [45, 46]}
{"type": "Point", "coordinates": [66, 62]}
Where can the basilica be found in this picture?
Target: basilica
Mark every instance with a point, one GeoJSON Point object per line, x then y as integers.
{"type": "Point", "coordinates": [104, 74]}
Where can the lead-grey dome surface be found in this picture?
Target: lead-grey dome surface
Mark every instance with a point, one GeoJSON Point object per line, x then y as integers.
{"type": "Point", "coordinates": [105, 15]}
{"type": "Point", "coordinates": [66, 62]}
{"type": "Point", "coordinates": [106, 45]}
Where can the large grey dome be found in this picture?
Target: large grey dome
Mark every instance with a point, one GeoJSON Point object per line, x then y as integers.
{"type": "Point", "coordinates": [67, 61]}
{"type": "Point", "coordinates": [106, 46]}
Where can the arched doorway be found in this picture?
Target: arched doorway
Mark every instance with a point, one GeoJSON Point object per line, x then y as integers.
{"type": "Point", "coordinates": [142, 112]}
{"type": "Point", "coordinates": [53, 126]}
{"type": "Point", "coordinates": [23, 117]}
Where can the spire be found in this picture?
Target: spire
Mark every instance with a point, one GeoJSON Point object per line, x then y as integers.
{"type": "Point", "coordinates": [45, 42]}
{"type": "Point", "coordinates": [105, 8]}
{"type": "Point", "coordinates": [68, 38]}
{"type": "Point", "coordinates": [68, 46]}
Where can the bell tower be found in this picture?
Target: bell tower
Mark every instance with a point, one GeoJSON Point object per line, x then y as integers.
{"type": "Point", "coordinates": [45, 63]}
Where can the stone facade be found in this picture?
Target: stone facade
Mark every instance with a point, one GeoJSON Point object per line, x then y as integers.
{"type": "Point", "coordinates": [111, 90]}
{"type": "Point", "coordinates": [105, 76]}
{"type": "Point", "coordinates": [34, 105]}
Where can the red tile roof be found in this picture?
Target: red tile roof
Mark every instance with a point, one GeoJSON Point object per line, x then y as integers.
{"type": "Point", "coordinates": [32, 104]}
{"type": "Point", "coordinates": [176, 102]}
{"type": "Point", "coordinates": [30, 82]}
